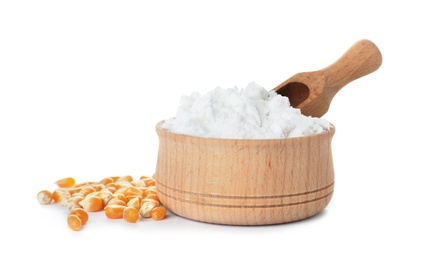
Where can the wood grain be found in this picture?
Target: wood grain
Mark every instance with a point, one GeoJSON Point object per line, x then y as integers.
{"type": "Point", "coordinates": [244, 182]}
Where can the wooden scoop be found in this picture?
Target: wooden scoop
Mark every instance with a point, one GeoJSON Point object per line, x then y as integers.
{"type": "Point", "coordinates": [312, 92]}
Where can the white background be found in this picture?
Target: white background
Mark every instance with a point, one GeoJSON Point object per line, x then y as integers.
{"type": "Point", "coordinates": [83, 83]}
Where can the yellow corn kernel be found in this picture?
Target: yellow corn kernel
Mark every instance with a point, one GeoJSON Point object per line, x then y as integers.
{"type": "Point", "coordinates": [106, 190]}
{"type": "Point", "coordinates": [106, 181]}
{"type": "Point", "coordinates": [146, 200]}
{"type": "Point", "coordinates": [133, 192]}
{"type": "Point", "coordinates": [149, 182]}
{"type": "Point", "coordinates": [77, 194]}
{"type": "Point", "coordinates": [146, 209]}
{"type": "Point", "coordinates": [74, 190]}
{"type": "Point", "coordinates": [65, 182]}
{"type": "Point", "coordinates": [153, 196]}
{"type": "Point", "coordinates": [131, 214]}
{"type": "Point", "coordinates": [114, 178]}
{"type": "Point", "coordinates": [135, 203]}
{"type": "Point", "coordinates": [158, 213]}
{"type": "Point", "coordinates": [82, 184]}
{"type": "Point", "coordinates": [121, 190]}
{"type": "Point", "coordinates": [122, 184]}
{"type": "Point", "coordinates": [97, 186]}
{"type": "Point", "coordinates": [111, 189]}
{"type": "Point", "coordinates": [94, 193]}
{"type": "Point", "coordinates": [74, 202]}
{"type": "Point", "coordinates": [138, 183]}
{"type": "Point", "coordinates": [105, 195]}
{"type": "Point", "coordinates": [114, 211]}
{"type": "Point", "coordinates": [120, 196]}
{"type": "Point", "coordinates": [92, 204]}
{"type": "Point", "coordinates": [81, 213]}
{"type": "Point", "coordinates": [63, 201]}
{"type": "Point", "coordinates": [150, 190]}
{"type": "Point", "coordinates": [86, 190]}
{"type": "Point", "coordinates": [112, 184]}
{"type": "Point", "coordinates": [44, 197]}
{"type": "Point", "coordinates": [127, 178]}
{"type": "Point", "coordinates": [60, 192]}
{"type": "Point", "coordinates": [115, 201]}
{"type": "Point", "coordinates": [61, 196]}
{"type": "Point", "coordinates": [133, 197]}
{"type": "Point", "coordinates": [74, 222]}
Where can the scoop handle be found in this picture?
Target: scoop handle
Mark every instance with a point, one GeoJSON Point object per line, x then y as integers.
{"type": "Point", "coordinates": [359, 60]}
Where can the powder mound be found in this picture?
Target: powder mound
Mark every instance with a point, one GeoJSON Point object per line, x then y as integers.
{"type": "Point", "coordinates": [249, 113]}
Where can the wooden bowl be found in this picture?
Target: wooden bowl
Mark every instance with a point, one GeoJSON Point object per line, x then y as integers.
{"type": "Point", "coordinates": [244, 182]}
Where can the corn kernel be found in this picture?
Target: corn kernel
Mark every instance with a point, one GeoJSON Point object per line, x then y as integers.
{"type": "Point", "coordinates": [106, 181]}
{"type": "Point", "coordinates": [44, 197]}
{"type": "Point", "coordinates": [114, 211]}
{"type": "Point", "coordinates": [65, 182]}
{"type": "Point", "coordinates": [133, 192]}
{"type": "Point", "coordinates": [148, 191]}
{"type": "Point", "coordinates": [146, 209]}
{"type": "Point", "coordinates": [135, 203]}
{"type": "Point", "coordinates": [86, 190]}
{"type": "Point", "coordinates": [120, 196]}
{"type": "Point", "coordinates": [158, 213]}
{"type": "Point", "coordinates": [59, 193]}
{"type": "Point", "coordinates": [82, 184]}
{"type": "Point", "coordinates": [138, 183]}
{"type": "Point", "coordinates": [61, 196]}
{"type": "Point", "coordinates": [146, 200]}
{"type": "Point", "coordinates": [120, 190]}
{"type": "Point", "coordinates": [153, 196]}
{"type": "Point", "coordinates": [81, 213]}
{"type": "Point", "coordinates": [111, 189]}
{"type": "Point", "coordinates": [74, 202]}
{"type": "Point", "coordinates": [92, 204]}
{"type": "Point", "coordinates": [122, 184]}
{"type": "Point", "coordinates": [115, 201]}
{"type": "Point", "coordinates": [149, 182]}
{"type": "Point", "coordinates": [131, 214]}
{"type": "Point", "coordinates": [94, 193]}
{"type": "Point", "coordinates": [77, 194]}
{"type": "Point", "coordinates": [112, 184]}
{"type": "Point", "coordinates": [97, 186]}
{"type": "Point", "coordinates": [74, 190]}
{"type": "Point", "coordinates": [127, 178]}
{"type": "Point", "coordinates": [105, 195]}
{"type": "Point", "coordinates": [114, 178]}
{"type": "Point", "coordinates": [63, 201]}
{"type": "Point", "coordinates": [74, 222]}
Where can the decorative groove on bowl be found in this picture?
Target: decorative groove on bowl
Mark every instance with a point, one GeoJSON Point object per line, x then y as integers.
{"type": "Point", "coordinates": [171, 189]}
{"type": "Point", "coordinates": [245, 206]}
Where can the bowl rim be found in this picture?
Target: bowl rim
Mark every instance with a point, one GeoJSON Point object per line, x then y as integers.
{"type": "Point", "coordinates": [164, 132]}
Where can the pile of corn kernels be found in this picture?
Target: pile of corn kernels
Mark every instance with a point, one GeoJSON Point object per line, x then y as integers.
{"type": "Point", "coordinates": [121, 197]}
